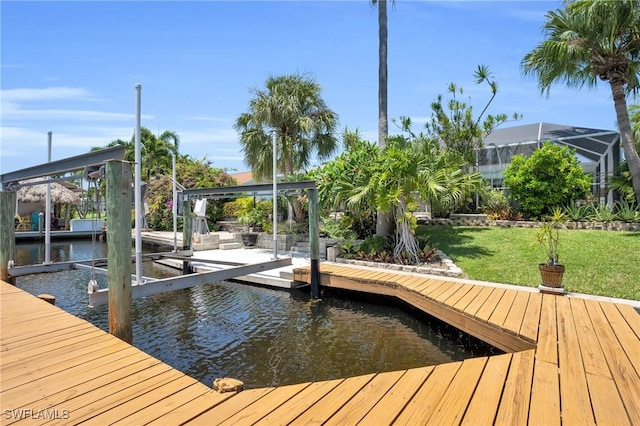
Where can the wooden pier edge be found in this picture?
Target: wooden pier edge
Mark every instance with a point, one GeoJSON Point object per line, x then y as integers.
{"type": "Point", "coordinates": [570, 361]}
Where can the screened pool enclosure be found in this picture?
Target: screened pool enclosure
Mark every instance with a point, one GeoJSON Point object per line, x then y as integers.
{"type": "Point", "coordinates": [598, 151]}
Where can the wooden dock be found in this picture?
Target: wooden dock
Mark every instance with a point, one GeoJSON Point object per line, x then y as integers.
{"type": "Point", "coordinates": [568, 361]}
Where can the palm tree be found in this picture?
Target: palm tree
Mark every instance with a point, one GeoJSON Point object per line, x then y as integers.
{"type": "Point", "coordinates": [155, 151]}
{"type": "Point", "coordinates": [593, 39]}
{"type": "Point", "coordinates": [383, 220]}
{"type": "Point", "coordinates": [290, 106]}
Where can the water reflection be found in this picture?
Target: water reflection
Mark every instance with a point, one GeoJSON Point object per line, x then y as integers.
{"type": "Point", "coordinates": [261, 336]}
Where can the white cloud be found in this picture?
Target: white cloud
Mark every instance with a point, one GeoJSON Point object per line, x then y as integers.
{"type": "Point", "coordinates": [49, 93]}
{"type": "Point", "coordinates": [210, 119]}
{"type": "Point", "coordinates": [225, 135]}
{"type": "Point", "coordinates": [12, 111]}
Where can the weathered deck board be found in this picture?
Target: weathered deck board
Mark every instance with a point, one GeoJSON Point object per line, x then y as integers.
{"type": "Point", "coordinates": [394, 401]}
{"type": "Point", "coordinates": [265, 405]}
{"type": "Point", "coordinates": [484, 405]}
{"type": "Point", "coordinates": [357, 407]}
{"type": "Point", "coordinates": [573, 361]}
{"type": "Point", "coordinates": [425, 401]}
{"type": "Point", "coordinates": [544, 409]}
{"type": "Point", "coordinates": [514, 405]}
{"type": "Point", "coordinates": [288, 411]}
{"type": "Point", "coordinates": [453, 405]}
{"type": "Point", "coordinates": [323, 409]}
{"type": "Point", "coordinates": [574, 392]}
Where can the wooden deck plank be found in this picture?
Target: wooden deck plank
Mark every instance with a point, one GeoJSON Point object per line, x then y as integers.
{"type": "Point", "coordinates": [544, 409]}
{"type": "Point", "coordinates": [358, 406]}
{"type": "Point", "coordinates": [299, 403]}
{"type": "Point", "coordinates": [423, 284]}
{"type": "Point", "coordinates": [91, 404]}
{"type": "Point", "coordinates": [75, 375]}
{"type": "Point", "coordinates": [608, 408]}
{"type": "Point", "coordinates": [469, 297]}
{"type": "Point", "coordinates": [455, 401]}
{"type": "Point", "coordinates": [632, 316]}
{"type": "Point", "coordinates": [582, 370]}
{"type": "Point", "coordinates": [574, 392]}
{"type": "Point", "coordinates": [593, 358]}
{"type": "Point", "coordinates": [65, 343]}
{"type": "Point", "coordinates": [322, 410]}
{"type": "Point", "coordinates": [52, 338]}
{"type": "Point", "coordinates": [189, 410]}
{"type": "Point", "coordinates": [500, 313]}
{"type": "Point", "coordinates": [27, 332]}
{"type": "Point", "coordinates": [411, 282]}
{"type": "Point", "coordinates": [173, 393]}
{"type": "Point", "coordinates": [622, 371]}
{"type": "Point", "coordinates": [548, 335]}
{"type": "Point", "coordinates": [531, 317]}
{"type": "Point", "coordinates": [475, 304]}
{"type": "Point", "coordinates": [394, 401]}
{"type": "Point", "coordinates": [514, 404]}
{"type": "Point", "coordinates": [453, 288]}
{"type": "Point", "coordinates": [426, 399]}
{"type": "Point", "coordinates": [455, 297]}
{"type": "Point", "coordinates": [513, 321]}
{"type": "Point", "coordinates": [490, 304]}
{"type": "Point", "coordinates": [486, 398]}
{"type": "Point", "coordinates": [67, 397]}
{"type": "Point", "coordinates": [624, 333]}
{"type": "Point", "coordinates": [605, 400]}
{"type": "Point", "coordinates": [434, 291]}
{"type": "Point", "coordinates": [265, 405]}
{"type": "Point", "coordinates": [230, 407]}
{"type": "Point", "coordinates": [21, 373]}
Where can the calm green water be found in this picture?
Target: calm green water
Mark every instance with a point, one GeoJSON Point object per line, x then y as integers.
{"type": "Point", "coordinates": [261, 336]}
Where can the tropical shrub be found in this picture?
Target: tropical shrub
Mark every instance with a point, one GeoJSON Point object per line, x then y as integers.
{"type": "Point", "coordinates": [578, 212]}
{"type": "Point", "coordinates": [496, 205]}
{"type": "Point", "coordinates": [332, 228]}
{"type": "Point", "coordinates": [603, 213]}
{"type": "Point", "coordinates": [551, 177]}
{"type": "Point", "coordinates": [191, 174]}
{"type": "Point", "coordinates": [375, 245]}
{"type": "Point", "coordinates": [627, 212]}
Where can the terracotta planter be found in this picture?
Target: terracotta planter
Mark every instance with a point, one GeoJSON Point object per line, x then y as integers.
{"type": "Point", "coordinates": [551, 275]}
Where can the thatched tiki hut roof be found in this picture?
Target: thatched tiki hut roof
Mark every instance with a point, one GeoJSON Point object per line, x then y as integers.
{"type": "Point", "coordinates": [38, 194]}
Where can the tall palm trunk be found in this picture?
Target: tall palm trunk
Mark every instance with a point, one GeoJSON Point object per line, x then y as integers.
{"type": "Point", "coordinates": [297, 207]}
{"type": "Point", "coordinates": [383, 219]}
{"type": "Point", "coordinates": [383, 124]}
{"type": "Point", "coordinates": [622, 115]}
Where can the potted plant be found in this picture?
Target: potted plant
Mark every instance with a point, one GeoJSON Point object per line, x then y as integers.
{"type": "Point", "coordinates": [252, 221]}
{"type": "Point", "coordinates": [548, 236]}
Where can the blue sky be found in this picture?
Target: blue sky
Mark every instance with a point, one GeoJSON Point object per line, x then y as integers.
{"type": "Point", "coordinates": [71, 68]}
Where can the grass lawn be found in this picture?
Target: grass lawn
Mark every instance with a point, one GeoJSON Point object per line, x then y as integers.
{"type": "Point", "coordinates": [597, 262]}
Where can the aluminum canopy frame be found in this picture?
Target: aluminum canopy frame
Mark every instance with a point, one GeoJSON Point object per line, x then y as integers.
{"type": "Point", "coordinates": [597, 146]}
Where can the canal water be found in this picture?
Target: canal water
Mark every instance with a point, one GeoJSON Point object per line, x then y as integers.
{"type": "Point", "coordinates": [261, 336]}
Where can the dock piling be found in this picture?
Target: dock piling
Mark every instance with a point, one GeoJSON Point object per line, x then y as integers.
{"type": "Point", "coordinates": [118, 175]}
{"type": "Point", "coordinates": [7, 236]}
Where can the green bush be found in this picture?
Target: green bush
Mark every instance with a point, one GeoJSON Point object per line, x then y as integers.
{"type": "Point", "coordinates": [332, 228]}
{"type": "Point", "coordinates": [578, 212]}
{"type": "Point", "coordinates": [627, 212]}
{"type": "Point", "coordinates": [375, 244]}
{"type": "Point", "coordinates": [602, 213]}
{"type": "Point", "coordinates": [496, 205]}
{"type": "Point", "coordinates": [551, 177]}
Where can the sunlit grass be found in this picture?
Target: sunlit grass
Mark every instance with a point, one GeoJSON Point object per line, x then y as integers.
{"type": "Point", "coordinates": [597, 262]}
